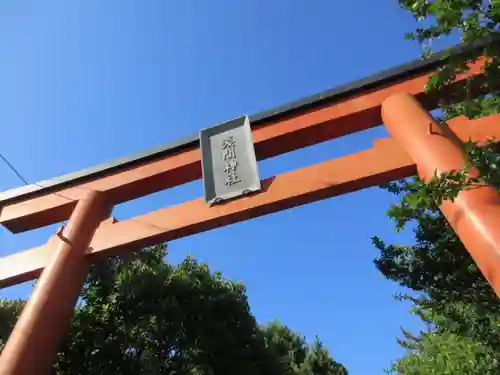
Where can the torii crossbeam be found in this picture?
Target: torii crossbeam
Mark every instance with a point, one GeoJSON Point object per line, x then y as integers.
{"type": "Point", "coordinates": [86, 198]}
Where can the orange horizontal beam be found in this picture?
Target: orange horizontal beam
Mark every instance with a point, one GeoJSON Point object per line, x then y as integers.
{"type": "Point", "coordinates": [334, 120]}
{"type": "Point", "coordinates": [385, 162]}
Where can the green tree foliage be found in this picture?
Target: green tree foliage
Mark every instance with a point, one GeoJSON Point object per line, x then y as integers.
{"type": "Point", "coordinates": [473, 21]}
{"type": "Point", "coordinates": [448, 293]}
{"type": "Point", "coordinates": [296, 356]}
{"type": "Point", "coordinates": [447, 354]}
{"type": "Point", "coordinates": [446, 289]}
{"type": "Point", "coordinates": [141, 315]}
{"type": "Point", "coordinates": [9, 311]}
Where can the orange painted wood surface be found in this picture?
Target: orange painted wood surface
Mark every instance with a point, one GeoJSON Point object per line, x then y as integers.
{"type": "Point", "coordinates": [331, 121]}
{"type": "Point", "coordinates": [385, 162]}
{"type": "Point", "coordinates": [474, 214]}
{"type": "Point", "coordinates": [34, 341]}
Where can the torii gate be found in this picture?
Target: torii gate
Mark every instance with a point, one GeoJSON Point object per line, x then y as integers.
{"type": "Point", "coordinates": [395, 98]}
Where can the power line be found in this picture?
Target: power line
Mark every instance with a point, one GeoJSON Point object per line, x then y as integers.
{"type": "Point", "coordinates": [26, 181]}
{"type": "Point", "coordinates": [14, 169]}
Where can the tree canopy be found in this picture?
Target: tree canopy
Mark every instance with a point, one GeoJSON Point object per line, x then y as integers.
{"type": "Point", "coordinates": [477, 25]}
{"type": "Point", "coordinates": [448, 293]}
{"type": "Point", "coordinates": [141, 315]}
{"type": "Point", "coordinates": [459, 309]}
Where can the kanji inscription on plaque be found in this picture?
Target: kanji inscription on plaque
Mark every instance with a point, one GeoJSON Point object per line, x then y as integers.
{"type": "Point", "coordinates": [228, 160]}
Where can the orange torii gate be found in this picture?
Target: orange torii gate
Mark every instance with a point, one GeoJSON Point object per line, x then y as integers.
{"type": "Point", "coordinates": [86, 198]}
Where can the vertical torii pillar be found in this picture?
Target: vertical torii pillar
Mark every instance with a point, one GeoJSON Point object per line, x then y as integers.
{"type": "Point", "coordinates": [33, 344]}
{"type": "Point", "coordinates": [475, 214]}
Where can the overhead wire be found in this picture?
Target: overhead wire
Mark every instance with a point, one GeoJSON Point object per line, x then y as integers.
{"type": "Point", "coordinates": [13, 169]}
{"type": "Point", "coordinates": [24, 180]}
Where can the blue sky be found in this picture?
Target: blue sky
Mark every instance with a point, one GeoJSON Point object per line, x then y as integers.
{"type": "Point", "coordinates": [83, 82]}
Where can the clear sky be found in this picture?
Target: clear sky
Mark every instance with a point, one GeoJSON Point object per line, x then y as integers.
{"type": "Point", "coordinates": [84, 82]}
